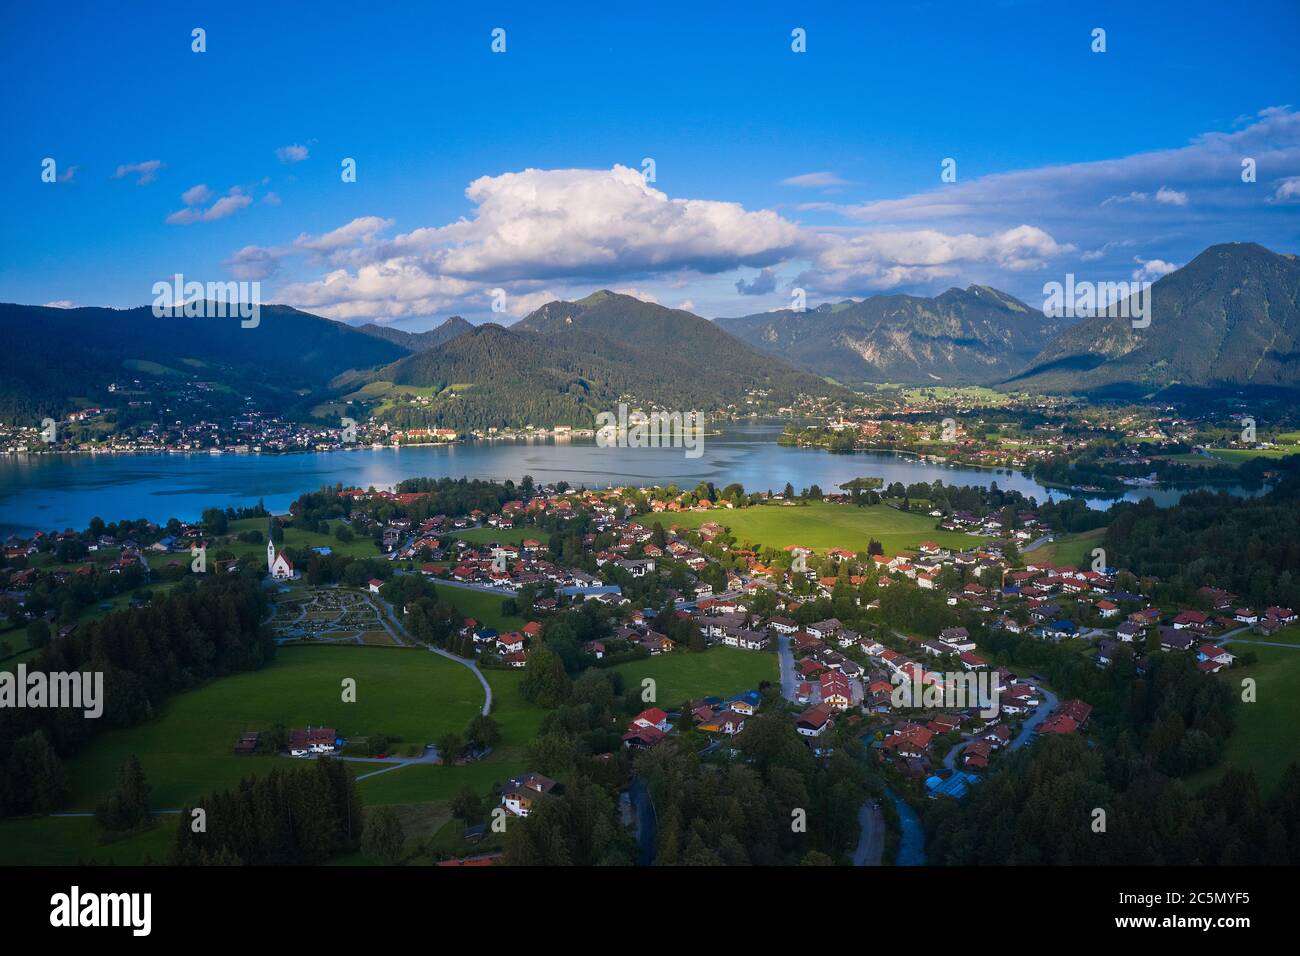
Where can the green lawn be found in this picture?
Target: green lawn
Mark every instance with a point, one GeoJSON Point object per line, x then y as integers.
{"type": "Point", "coordinates": [519, 722]}
{"type": "Point", "coordinates": [1267, 737]}
{"type": "Point", "coordinates": [1069, 549]}
{"type": "Point", "coordinates": [719, 671]}
{"type": "Point", "coordinates": [1241, 455]}
{"type": "Point", "coordinates": [405, 693]}
{"type": "Point", "coordinates": [187, 752]}
{"type": "Point", "coordinates": [480, 605]}
{"type": "Point", "coordinates": [359, 547]}
{"type": "Point", "coordinates": [489, 535]}
{"type": "Point", "coordinates": [69, 841]}
{"type": "Point", "coordinates": [821, 525]}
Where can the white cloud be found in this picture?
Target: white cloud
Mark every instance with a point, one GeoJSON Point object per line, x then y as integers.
{"type": "Point", "coordinates": [194, 197]}
{"type": "Point", "coordinates": [1170, 197]}
{"type": "Point", "coordinates": [294, 153]}
{"type": "Point", "coordinates": [821, 180]}
{"type": "Point", "coordinates": [885, 260]}
{"type": "Point", "coordinates": [1152, 269]}
{"type": "Point", "coordinates": [1288, 190]}
{"type": "Point", "coordinates": [591, 223]}
{"type": "Point", "coordinates": [61, 304]}
{"type": "Point", "coordinates": [145, 172]}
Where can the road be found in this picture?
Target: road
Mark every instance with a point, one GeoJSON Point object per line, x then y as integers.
{"type": "Point", "coordinates": [463, 661]}
{"type": "Point", "coordinates": [871, 841]}
{"type": "Point", "coordinates": [1040, 714]}
{"type": "Point", "coordinates": [785, 658]}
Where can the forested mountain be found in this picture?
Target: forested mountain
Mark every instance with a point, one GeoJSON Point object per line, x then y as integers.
{"type": "Point", "coordinates": [1229, 318]}
{"type": "Point", "coordinates": [418, 341]}
{"type": "Point", "coordinates": [975, 335]}
{"type": "Point", "coordinates": [569, 360]}
{"type": "Point", "coordinates": [53, 356]}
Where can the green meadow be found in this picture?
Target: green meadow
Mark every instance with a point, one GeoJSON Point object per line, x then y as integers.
{"type": "Point", "coordinates": [187, 751]}
{"type": "Point", "coordinates": [1069, 549]}
{"type": "Point", "coordinates": [1267, 737]}
{"type": "Point", "coordinates": [359, 547]}
{"type": "Point", "coordinates": [718, 671]}
{"type": "Point", "coordinates": [821, 525]}
{"type": "Point", "coordinates": [482, 606]}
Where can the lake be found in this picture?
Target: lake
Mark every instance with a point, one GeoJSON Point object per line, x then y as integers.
{"type": "Point", "coordinates": [53, 492]}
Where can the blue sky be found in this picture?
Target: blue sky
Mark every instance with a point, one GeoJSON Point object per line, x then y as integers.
{"type": "Point", "coordinates": [522, 171]}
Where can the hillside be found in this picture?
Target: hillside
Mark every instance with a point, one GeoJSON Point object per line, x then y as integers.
{"type": "Point", "coordinates": [1230, 318]}
{"type": "Point", "coordinates": [418, 341]}
{"type": "Point", "coordinates": [973, 336]}
{"type": "Point", "coordinates": [56, 359]}
{"type": "Point", "coordinates": [568, 360]}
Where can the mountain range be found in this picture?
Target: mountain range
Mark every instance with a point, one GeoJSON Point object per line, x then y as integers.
{"type": "Point", "coordinates": [1230, 318]}
{"type": "Point", "coordinates": [972, 336]}
{"type": "Point", "coordinates": [568, 360]}
{"type": "Point", "coordinates": [418, 341]}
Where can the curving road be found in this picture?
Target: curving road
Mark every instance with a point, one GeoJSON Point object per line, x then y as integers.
{"type": "Point", "coordinates": [463, 661]}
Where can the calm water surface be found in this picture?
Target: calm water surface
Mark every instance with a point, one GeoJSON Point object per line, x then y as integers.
{"type": "Point", "coordinates": [52, 492]}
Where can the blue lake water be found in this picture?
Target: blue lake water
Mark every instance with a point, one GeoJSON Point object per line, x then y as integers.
{"type": "Point", "coordinates": [53, 492]}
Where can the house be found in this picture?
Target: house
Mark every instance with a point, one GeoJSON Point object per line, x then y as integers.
{"type": "Point", "coordinates": [814, 721]}
{"type": "Point", "coordinates": [520, 794]}
{"type": "Point", "coordinates": [1128, 632]}
{"type": "Point", "coordinates": [836, 693]}
{"type": "Point", "coordinates": [652, 717]}
{"type": "Point", "coordinates": [320, 740]}
{"type": "Point", "coordinates": [1211, 652]}
{"type": "Point", "coordinates": [374, 584]}
{"type": "Point", "coordinates": [1058, 724]}
{"type": "Point", "coordinates": [728, 722]}
{"type": "Point", "coordinates": [975, 755]}
{"type": "Point", "coordinates": [247, 743]}
{"type": "Point", "coordinates": [1077, 710]}
{"type": "Point", "coordinates": [824, 630]}
{"type": "Point", "coordinates": [642, 737]}
{"type": "Point", "coordinates": [1172, 639]}
{"type": "Point", "coordinates": [1107, 609]}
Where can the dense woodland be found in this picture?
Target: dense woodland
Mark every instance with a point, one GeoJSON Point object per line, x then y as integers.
{"type": "Point", "coordinates": [304, 815]}
{"type": "Point", "coordinates": [194, 633]}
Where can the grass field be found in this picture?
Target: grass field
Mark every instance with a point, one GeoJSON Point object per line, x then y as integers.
{"type": "Point", "coordinates": [1069, 549]}
{"type": "Point", "coordinates": [519, 722]}
{"type": "Point", "coordinates": [482, 606]}
{"type": "Point", "coordinates": [489, 535]}
{"type": "Point", "coordinates": [821, 525]}
{"type": "Point", "coordinates": [187, 751]}
{"type": "Point", "coordinates": [719, 671]}
{"type": "Point", "coordinates": [405, 693]}
{"type": "Point", "coordinates": [359, 547]}
{"type": "Point", "coordinates": [68, 841]}
{"type": "Point", "coordinates": [1267, 737]}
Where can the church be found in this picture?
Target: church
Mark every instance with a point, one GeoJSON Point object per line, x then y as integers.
{"type": "Point", "coordinates": [277, 565]}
